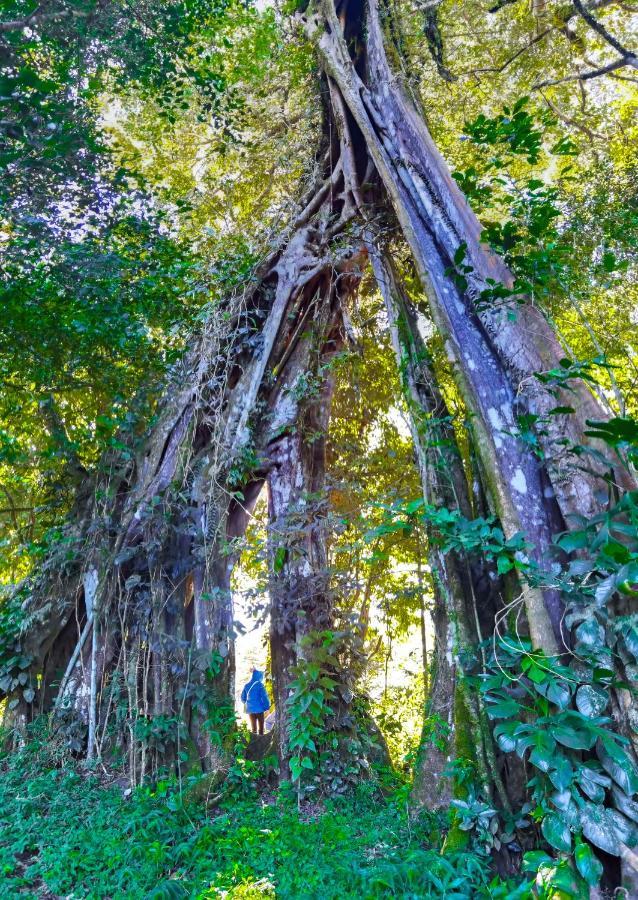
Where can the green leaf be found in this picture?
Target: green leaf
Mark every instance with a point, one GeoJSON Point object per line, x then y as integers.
{"type": "Point", "coordinates": [537, 674]}
{"type": "Point", "coordinates": [534, 859]}
{"type": "Point", "coordinates": [504, 734]}
{"type": "Point", "coordinates": [562, 773]}
{"type": "Point", "coordinates": [460, 253]}
{"type": "Point", "coordinates": [540, 743]}
{"type": "Point", "coordinates": [591, 635]}
{"type": "Point", "coordinates": [503, 564]}
{"type": "Point", "coordinates": [625, 829]}
{"type": "Point", "coordinates": [618, 764]}
{"type": "Point", "coordinates": [504, 709]}
{"type": "Point", "coordinates": [573, 733]}
{"type": "Point", "coordinates": [564, 803]}
{"type": "Point", "coordinates": [556, 832]}
{"type": "Point", "coordinates": [573, 540]}
{"type": "Point", "coordinates": [279, 560]}
{"type": "Point", "coordinates": [625, 804]}
{"type": "Point", "coordinates": [556, 690]}
{"type": "Point", "coordinates": [630, 637]}
{"type": "Point", "coordinates": [542, 755]}
{"type": "Point", "coordinates": [587, 864]}
{"type": "Point", "coordinates": [593, 783]}
{"type": "Point", "coordinates": [591, 701]}
{"type": "Point", "coordinates": [598, 827]}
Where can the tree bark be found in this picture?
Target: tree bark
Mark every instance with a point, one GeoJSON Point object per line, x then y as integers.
{"type": "Point", "coordinates": [301, 601]}
{"type": "Point", "coordinates": [495, 359]}
{"type": "Point", "coordinates": [161, 521]}
{"type": "Point", "coordinates": [451, 717]}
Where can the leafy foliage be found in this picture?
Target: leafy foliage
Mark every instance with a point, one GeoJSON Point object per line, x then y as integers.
{"type": "Point", "coordinates": [67, 832]}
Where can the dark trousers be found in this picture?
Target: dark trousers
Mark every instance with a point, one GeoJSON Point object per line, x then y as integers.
{"type": "Point", "coordinates": [256, 719]}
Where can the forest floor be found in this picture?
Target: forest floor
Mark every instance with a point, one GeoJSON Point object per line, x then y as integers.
{"type": "Point", "coordinates": [66, 833]}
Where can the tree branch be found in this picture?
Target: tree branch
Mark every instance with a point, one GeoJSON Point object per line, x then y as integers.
{"type": "Point", "coordinates": [599, 28]}
{"type": "Point", "coordinates": [36, 18]}
{"type": "Point", "coordinates": [585, 76]}
{"type": "Point", "coordinates": [510, 60]}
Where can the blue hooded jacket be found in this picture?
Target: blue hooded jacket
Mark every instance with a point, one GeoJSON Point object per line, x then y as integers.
{"type": "Point", "coordinates": [255, 695]}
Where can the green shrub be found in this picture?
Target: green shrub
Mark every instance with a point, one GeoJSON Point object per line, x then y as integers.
{"type": "Point", "coordinates": [72, 833]}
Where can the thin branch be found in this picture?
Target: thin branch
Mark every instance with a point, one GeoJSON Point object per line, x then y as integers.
{"type": "Point", "coordinates": [573, 122]}
{"type": "Point", "coordinates": [500, 5]}
{"type": "Point", "coordinates": [599, 28]}
{"type": "Point", "coordinates": [585, 76]}
{"type": "Point", "coordinates": [624, 78]}
{"type": "Point", "coordinates": [37, 18]}
{"type": "Point", "coordinates": [510, 60]}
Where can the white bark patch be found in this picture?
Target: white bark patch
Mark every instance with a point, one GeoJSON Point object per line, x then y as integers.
{"type": "Point", "coordinates": [471, 364]}
{"type": "Point", "coordinates": [495, 420]}
{"type": "Point", "coordinates": [449, 654]}
{"type": "Point", "coordinates": [90, 590]}
{"type": "Point", "coordinates": [449, 350]}
{"type": "Point", "coordinates": [506, 409]}
{"type": "Point", "coordinates": [285, 412]}
{"type": "Point", "coordinates": [424, 327]}
{"type": "Point", "coordinates": [497, 424]}
{"type": "Point", "coordinates": [518, 482]}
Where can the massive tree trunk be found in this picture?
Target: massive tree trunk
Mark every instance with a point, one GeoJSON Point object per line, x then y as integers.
{"type": "Point", "coordinates": [495, 359]}
{"type": "Point", "coordinates": [128, 625]}
{"type": "Point", "coordinates": [466, 591]}
{"type": "Point", "coordinates": [300, 593]}
{"type": "Point", "coordinates": [128, 633]}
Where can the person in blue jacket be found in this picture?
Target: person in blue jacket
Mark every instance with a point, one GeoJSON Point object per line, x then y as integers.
{"type": "Point", "coordinates": [256, 701]}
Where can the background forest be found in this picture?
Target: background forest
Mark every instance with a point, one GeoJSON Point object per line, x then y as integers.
{"type": "Point", "coordinates": [433, 553]}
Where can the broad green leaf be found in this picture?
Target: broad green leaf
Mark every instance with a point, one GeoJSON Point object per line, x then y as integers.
{"type": "Point", "coordinates": [573, 540]}
{"type": "Point", "coordinates": [542, 754]}
{"type": "Point", "coordinates": [590, 634]}
{"type": "Point", "coordinates": [556, 690]}
{"type": "Point", "coordinates": [625, 804]}
{"type": "Point", "coordinates": [534, 859]}
{"type": "Point", "coordinates": [556, 832]}
{"type": "Point", "coordinates": [504, 709]}
{"type": "Point", "coordinates": [505, 736]}
{"type": "Point", "coordinates": [562, 772]}
{"type": "Point", "coordinates": [540, 743]}
{"type": "Point", "coordinates": [593, 783]}
{"type": "Point", "coordinates": [618, 764]}
{"type": "Point", "coordinates": [591, 701]}
{"type": "Point", "coordinates": [280, 559]}
{"type": "Point", "coordinates": [574, 736]}
{"type": "Point", "coordinates": [587, 864]}
{"type": "Point", "coordinates": [599, 828]}
{"type": "Point", "coordinates": [630, 637]}
{"type": "Point", "coordinates": [626, 830]}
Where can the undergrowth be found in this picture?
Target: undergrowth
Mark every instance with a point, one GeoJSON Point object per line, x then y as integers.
{"type": "Point", "coordinates": [68, 833]}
